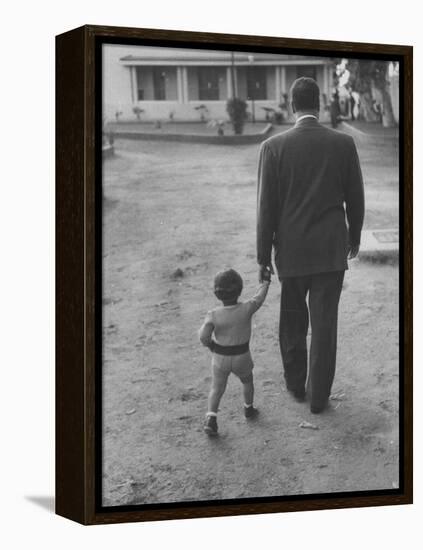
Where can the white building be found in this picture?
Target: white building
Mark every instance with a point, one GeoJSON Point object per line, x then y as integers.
{"type": "Point", "coordinates": [185, 84]}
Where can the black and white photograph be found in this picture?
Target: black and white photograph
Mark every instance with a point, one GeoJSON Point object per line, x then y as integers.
{"type": "Point", "coordinates": [250, 274]}
{"type": "Point", "coordinates": [211, 255]}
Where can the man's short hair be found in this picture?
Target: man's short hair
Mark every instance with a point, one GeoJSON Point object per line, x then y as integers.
{"type": "Point", "coordinates": [305, 94]}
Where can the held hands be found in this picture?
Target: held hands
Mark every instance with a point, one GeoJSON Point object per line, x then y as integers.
{"type": "Point", "coordinates": [265, 272]}
{"type": "Point", "coordinates": [353, 250]}
{"type": "Point", "coordinates": [211, 345]}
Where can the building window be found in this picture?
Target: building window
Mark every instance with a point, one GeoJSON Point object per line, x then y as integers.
{"type": "Point", "coordinates": [156, 83]}
{"type": "Point", "coordinates": [307, 70]}
{"type": "Point", "coordinates": [141, 82]}
{"type": "Point", "coordinates": [159, 83]}
{"type": "Point", "coordinates": [256, 83]}
{"type": "Point", "coordinates": [208, 83]}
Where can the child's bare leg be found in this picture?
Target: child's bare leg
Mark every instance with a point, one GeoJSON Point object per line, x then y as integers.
{"type": "Point", "coordinates": [217, 390]}
{"type": "Point", "coordinates": [248, 390]}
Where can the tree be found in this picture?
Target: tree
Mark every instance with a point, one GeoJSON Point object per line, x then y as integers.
{"type": "Point", "coordinates": [381, 82]}
{"type": "Point", "coordinates": [360, 80]}
{"type": "Point", "coordinates": [366, 75]}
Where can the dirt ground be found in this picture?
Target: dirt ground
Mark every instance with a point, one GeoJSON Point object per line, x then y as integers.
{"type": "Point", "coordinates": [170, 206]}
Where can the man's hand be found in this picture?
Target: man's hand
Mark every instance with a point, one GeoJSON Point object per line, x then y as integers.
{"type": "Point", "coordinates": [265, 271]}
{"type": "Point", "coordinates": [353, 251]}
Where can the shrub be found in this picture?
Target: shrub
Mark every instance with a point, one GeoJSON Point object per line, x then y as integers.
{"type": "Point", "coordinates": [237, 111]}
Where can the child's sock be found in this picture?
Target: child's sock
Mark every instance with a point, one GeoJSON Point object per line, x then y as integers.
{"type": "Point", "coordinates": [247, 406]}
{"type": "Point", "coordinates": [211, 413]}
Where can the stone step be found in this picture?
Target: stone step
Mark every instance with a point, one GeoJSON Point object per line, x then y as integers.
{"type": "Point", "coordinates": [379, 245]}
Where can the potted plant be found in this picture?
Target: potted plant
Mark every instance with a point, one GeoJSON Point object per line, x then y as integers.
{"type": "Point", "coordinates": [284, 106]}
{"type": "Point", "coordinates": [278, 117]}
{"type": "Point", "coordinates": [202, 109]}
{"type": "Point", "coordinates": [108, 137]}
{"type": "Point", "coordinates": [137, 111]}
{"type": "Point", "coordinates": [237, 111]}
{"type": "Point", "coordinates": [270, 113]}
{"type": "Point", "coordinates": [219, 124]}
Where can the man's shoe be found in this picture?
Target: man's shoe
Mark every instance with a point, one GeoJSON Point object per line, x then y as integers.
{"type": "Point", "coordinates": [298, 395]}
{"type": "Point", "coordinates": [250, 412]}
{"type": "Point", "coordinates": [317, 409]}
{"type": "Point", "coordinates": [210, 425]}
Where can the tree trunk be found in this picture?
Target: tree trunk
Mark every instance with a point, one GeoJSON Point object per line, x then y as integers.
{"type": "Point", "coordinates": [366, 107]}
{"type": "Point", "coordinates": [382, 84]}
{"type": "Point", "coordinates": [388, 118]}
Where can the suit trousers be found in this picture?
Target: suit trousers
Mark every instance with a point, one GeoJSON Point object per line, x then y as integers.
{"type": "Point", "coordinates": [324, 291]}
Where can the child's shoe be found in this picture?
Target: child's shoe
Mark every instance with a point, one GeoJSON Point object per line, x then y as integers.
{"type": "Point", "coordinates": [250, 412]}
{"type": "Point", "coordinates": [210, 425]}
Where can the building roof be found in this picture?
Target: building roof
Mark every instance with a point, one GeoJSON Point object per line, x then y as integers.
{"type": "Point", "coordinates": [178, 56]}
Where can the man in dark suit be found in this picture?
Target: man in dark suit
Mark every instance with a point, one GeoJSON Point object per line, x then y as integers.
{"type": "Point", "coordinates": [309, 186]}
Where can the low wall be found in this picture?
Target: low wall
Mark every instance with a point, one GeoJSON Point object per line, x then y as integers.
{"type": "Point", "coordinates": [233, 139]}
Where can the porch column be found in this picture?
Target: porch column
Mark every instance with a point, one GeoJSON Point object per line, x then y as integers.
{"type": "Point", "coordinates": [179, 84]}
{"type": "Point", "coordinates": [329, 79]}
{"type": "Point", "coordinates": [236, 81]}
{"type": "Point", "coordinates": [325, 81]}
{"type": "Point", "coordinates": [229, 82]}
{"type": "Point", "coordinates": [283, 80]}
{"type": "Point", "coordinates": [185, 84]}
{"type": "Point", "coordinates": [278, 83]}
{"type": "Point", "coordinates": [134, 83]}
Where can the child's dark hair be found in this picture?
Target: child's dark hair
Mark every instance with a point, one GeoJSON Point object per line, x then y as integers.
{"type": "Point", "coordinates": [228, 285]}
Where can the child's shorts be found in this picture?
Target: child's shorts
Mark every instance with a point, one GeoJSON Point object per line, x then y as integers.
{"type": "Point", "coordinates": [241, 365]}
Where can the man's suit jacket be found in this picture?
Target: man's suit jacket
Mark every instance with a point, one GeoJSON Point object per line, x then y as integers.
{"type": "Point", "coordinates": [309, 186]}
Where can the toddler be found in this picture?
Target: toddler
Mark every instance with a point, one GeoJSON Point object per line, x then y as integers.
{"type": "Point", "coordinates": [226, 332]}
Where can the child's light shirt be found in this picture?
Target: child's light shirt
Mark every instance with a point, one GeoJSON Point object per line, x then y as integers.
{"type": "Point", "coordinates": [231, 325]}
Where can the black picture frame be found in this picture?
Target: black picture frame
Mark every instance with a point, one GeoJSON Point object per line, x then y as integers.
{"type": "Point", "coordinates": [78, 280]}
